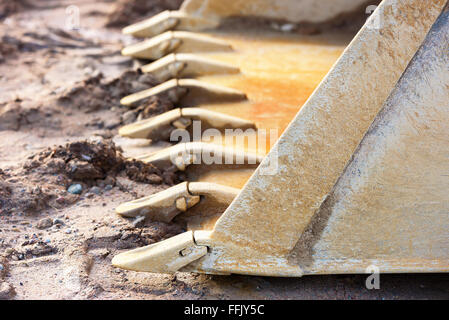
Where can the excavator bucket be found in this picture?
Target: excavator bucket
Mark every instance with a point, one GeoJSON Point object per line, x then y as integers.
{"type": "Point", "coordinates": [360, 176]}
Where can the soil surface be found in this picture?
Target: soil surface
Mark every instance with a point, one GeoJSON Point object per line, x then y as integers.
{"type": "Point", "coordinates": [59, 110]}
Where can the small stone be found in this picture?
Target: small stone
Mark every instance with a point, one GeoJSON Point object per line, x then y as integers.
{"type": "Point", "coordinates": [129, 117]}
{"type": "Point", "coordinates": [68, 231]}
{"type": "Point", "coordinates": [111, 124]}
{"type": "Point", "coordinates": [126, 235]}
{"type": "Point", "coordinates": [6, 291]}
{"type": "Point", "coordinates": [58, 222]}
{"type": "Point", "coordinates": [60, 200]}
{"type": "Point", "coordinates": [95, 190]}
{"type": "Point", "coordinates": [287, 27]}
{"type": "Point", "coordinates": [102, 253]}
{"type": "Point", "coordinates": [75, 189]}
{"type": "Point", "coordinates": [44, 223]}
{"type": "Point", "coordinates": [108, 188]}
{"type": "Point", "coordinates": [87, 158]}
{"type": "Point", "coordinates": [109, 180]}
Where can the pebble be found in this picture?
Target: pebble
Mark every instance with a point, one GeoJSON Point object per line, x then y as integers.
{"type": "Point", "coordinates": [75, 189]}
{"type": "Point", "coordinates": [68, 231]}
{"type": "Point", "coordinates": [95, 190]}
{"type": "Point", "coordinates": [2, 267]}
{"type": "Point", "coordinates": [58, 222]}
{"type": "Point", "coordinates": [129, 117]}
{"type": "Point", "coordinates": [44, 223]}
{"type": "Point", "coordinates": [108, 187]}
{"type": "Point", "coordinates": [60, 200]}
{"type": "Point", "coordinates": [288, 27]}
{"type": "Point", "coordinates": [87, 158]}
{"type": "Point", "coordinates": [6, 291]}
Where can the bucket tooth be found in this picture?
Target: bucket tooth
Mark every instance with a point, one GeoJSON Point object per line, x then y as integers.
{"type": "Point", "coordinates": [184, 65]}
{"type": "Point", "coordinates": [161, 127]}
{"type": "Point", "coordinates": [164, 257]}
{"type": "Point", "coordinates": [156, 128]}
{"type": "Point", "coordinates": [175, 42]}
{"type": "Point", "coordinates": [167, 204]}
{"type": "Point", "coordinates": [169, 20]}
{"type": "Point", "coordinates": [199, 153]}
{"type": "Point", "coordinates": [162, 206]}
{"type": "Point", "coordinates": [188, 92]}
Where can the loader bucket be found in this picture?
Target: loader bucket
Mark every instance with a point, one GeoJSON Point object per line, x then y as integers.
{"type": "Point", "coordinates": [358, 179]}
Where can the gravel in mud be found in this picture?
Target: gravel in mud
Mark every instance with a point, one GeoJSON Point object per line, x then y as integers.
{"type": "Point", "coordinates": [94, 165]}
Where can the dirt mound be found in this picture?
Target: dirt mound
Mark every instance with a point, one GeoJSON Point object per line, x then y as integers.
{"type": "Point", "coordinates": [96, 94]}
{"type": "Point", "coordinates": [130, 11]}
{"type": "Point", "coordinates": [11, 46]}
{"type": "Point", "coordinates": [8, 7]}
{"type": "Point", "coordinates": [13, 116]}
{"type": "Point", "coordinates": [89, 161]}
{"type": "Point", "coordinates": [7, 50]}
{"type": "Point", "coordinates": [18, 196]}
{"type": "Point", "coordinates": [90, 165]}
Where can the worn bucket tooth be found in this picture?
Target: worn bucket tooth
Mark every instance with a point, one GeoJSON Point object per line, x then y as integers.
{"type": "Point", "coordinates": [167, 204]}
{"type": "Point", "coordinates": [188, 92]}
{"type": "Point", "coordinates": [182, 155]}
{"type": "Point", "coordinates": [175, 42]}
{"type": "Point", "coordinates": [169, 20]}
{"type": "Point", "coordinates": [156, 258]}
{"type": "Point", "coordinates": [361, 181]}
{"type": "Point", "coordinates": [184, 65]}
{"type": "Point", "coordinates": [161, 127]}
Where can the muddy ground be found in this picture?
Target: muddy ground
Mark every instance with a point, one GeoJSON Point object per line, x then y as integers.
{"type": "Point", "coordinates": [59, 109]}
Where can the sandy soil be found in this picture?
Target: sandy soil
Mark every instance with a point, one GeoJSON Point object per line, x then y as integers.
{"type": "Point", "coordinates": [59, 106]}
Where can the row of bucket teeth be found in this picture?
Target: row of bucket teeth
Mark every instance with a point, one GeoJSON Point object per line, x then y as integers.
{"type": "Point", "coordinates": [171, 48]}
